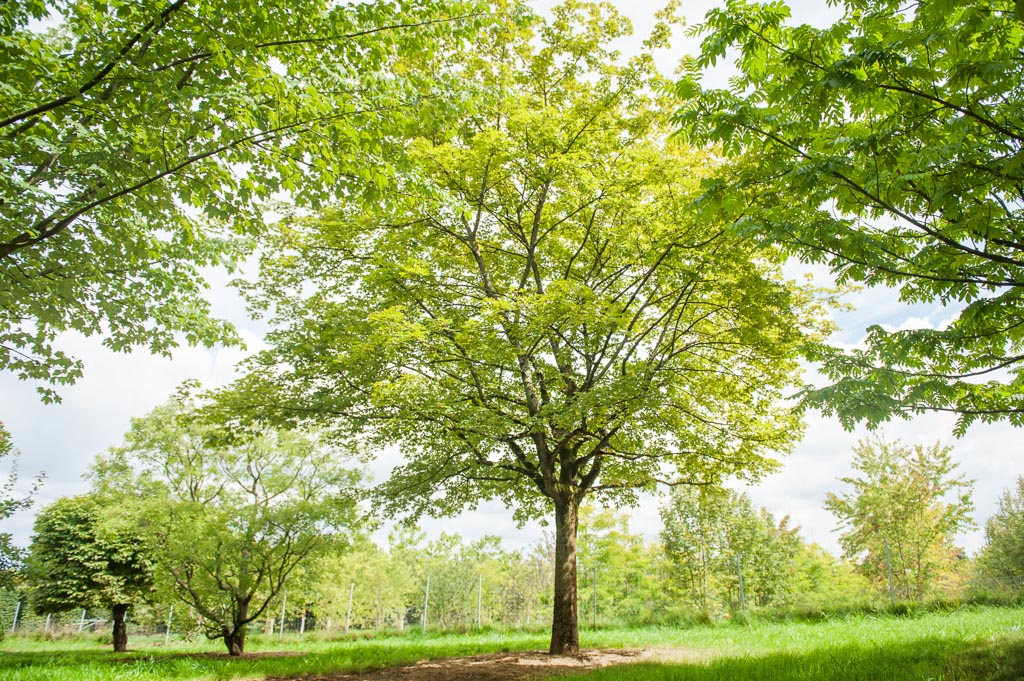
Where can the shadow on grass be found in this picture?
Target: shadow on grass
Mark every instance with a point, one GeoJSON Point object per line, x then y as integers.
{"type": "Point", "coordinates": [938, 658]}
{"type": "Point", "coordinates": [345, 657]}
{"type": "Point", "coordinates": [935, 659]}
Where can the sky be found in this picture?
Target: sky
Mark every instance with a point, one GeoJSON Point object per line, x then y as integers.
{"type": "Point", "coordinates": [63, 439]}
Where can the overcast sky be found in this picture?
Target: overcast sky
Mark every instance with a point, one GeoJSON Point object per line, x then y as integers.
{"type": "Point", "coordinates": [63, 439]}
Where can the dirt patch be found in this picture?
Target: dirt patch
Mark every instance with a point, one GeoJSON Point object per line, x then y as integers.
{"type": "Point", "coordinates": [518, 666]}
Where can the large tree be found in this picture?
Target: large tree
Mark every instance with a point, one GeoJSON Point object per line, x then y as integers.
{"type": "Point", "coordinates": [82, 556]}
{"type": "Point", "coordinates": [900, 515]}
{"type": "Point", "coordinates": [140, 139]}
{"type": "Point", "coordinates": [230, 512]}
{"type": "Point", "coordinates": [887, 145]}
{"type": "Point", "coordinates": [539, 315]}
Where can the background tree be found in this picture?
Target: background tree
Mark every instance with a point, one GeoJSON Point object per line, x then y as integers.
{"type": "Point", "coordinates": [1001, 561]}
{"type": "Point", "coordinates": [11, 501]}
{"type": "Point", "coordinates": [539, 316]}
{"type": "Point", "coordinates": [887, 146]}
{"type": "Point", "coordinates": [229, 512]}
{"type": "Point", "coordinates": [377, 583]}
{"type": "Point", "coordinates": [83, 557]}
{"type": "Point", "coordinates": [711, 534]}
{"type": "Point", "coordinates": [627, 577]}
{"type": "Point", "coordinates": [910, 497]}
{"type": "Point", "coordinates": [140, 139]}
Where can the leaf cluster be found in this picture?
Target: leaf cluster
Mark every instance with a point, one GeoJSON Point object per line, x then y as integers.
{"type": "Point", "coordinates": [887, 146]}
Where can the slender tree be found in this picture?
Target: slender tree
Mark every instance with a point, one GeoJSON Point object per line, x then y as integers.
{"type": "Point", "coordinates": [12, 500]}
{"type": "Point", "coordinates": [909, 498]}
{"type": "Point", "coordinates": [539, 315]}
{"type": "Point", "coordinates": [1001, 561]}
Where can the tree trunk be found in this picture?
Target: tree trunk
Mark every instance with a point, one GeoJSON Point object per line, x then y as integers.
{"type": "Point", "coordinates": [565, 629]}
{"type": "Point", "coordinates": [120, 611]}
{"type": "Point", "coordinates": [234, 639]}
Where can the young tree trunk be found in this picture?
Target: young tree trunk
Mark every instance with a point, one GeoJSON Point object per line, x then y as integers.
{"type": "Point", "coordinates": [565, 630]}
{"type": "Point", "coordinates": [120, 611]}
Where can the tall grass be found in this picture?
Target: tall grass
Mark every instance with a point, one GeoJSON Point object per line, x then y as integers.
{"type": "Point", "coordinates": [974, 644]}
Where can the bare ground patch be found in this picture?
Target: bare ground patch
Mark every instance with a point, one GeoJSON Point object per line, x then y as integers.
{"type": "Point", "coordinates": [517, 666]}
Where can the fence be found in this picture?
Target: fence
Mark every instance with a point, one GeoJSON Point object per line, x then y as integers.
{"type": "Point", "coordinates": [462, 597]}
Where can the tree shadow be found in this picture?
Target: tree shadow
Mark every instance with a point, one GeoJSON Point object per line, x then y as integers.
{"type": "Point", "coordinates": [936, 658]}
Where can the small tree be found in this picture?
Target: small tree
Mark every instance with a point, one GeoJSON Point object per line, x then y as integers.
{"type": "Point", "coordinates": [909, 498]}
{"type": "Point", "coordinates": [1001, 562]}
{"type": "Point", "coordinates": [10, 502]}
{"type": "Point", "coordinates": [712, 534]}
{"type": "Point", "coordinates": [230, 513]}
{"type": "Point", "coordinates": [84, 557]}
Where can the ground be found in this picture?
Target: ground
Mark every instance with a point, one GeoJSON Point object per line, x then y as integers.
{"type": "Point", "coordinates": [518, 666]}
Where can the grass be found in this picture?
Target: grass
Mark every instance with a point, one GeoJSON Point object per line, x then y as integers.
{"type": "Point", "coordinates": [974, 644]}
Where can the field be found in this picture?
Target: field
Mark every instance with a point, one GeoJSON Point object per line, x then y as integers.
{"type": "Point", "coordinates": [962, 645]}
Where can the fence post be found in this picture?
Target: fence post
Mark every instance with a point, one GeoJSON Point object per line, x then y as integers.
{"type": "Point", "coordinates": [284, 603]}
{"type": "Point", "coordinates": [739, 574]}
{"type": "Point", "coordinates": [479, 597]}
{"type": "Point", "coordinates": [17, 610]}
{"type": "Point", "coordinates": [81, 622]}
{"type": "Point", "coordinates": [888, 570]}
{"type": "Point", "coordinates": [426, 603]}
{"type": "Point", "coordinates": [302, 622]}
{"type": "Point", "coordinates": [46, 627]}
{"type": "Point", "coordinates": [348, 614]}
{"type": "Point", "coordinates": [167, 630]}
{"type": "Point", "coordinates": [595, 594]}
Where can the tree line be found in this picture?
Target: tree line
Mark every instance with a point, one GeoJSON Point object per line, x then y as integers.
{"type": "Point", "coordinates": [545, 272]}
{"type": "Point", "coordinates": [232, 524]}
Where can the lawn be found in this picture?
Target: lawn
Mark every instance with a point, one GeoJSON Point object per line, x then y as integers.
{"type": "Point", "coordinates": [963, 645]}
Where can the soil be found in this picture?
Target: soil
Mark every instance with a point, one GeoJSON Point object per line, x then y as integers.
{"type": "Point", "coordinates": [518, 666]}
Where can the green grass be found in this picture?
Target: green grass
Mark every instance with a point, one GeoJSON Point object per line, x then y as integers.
{"type": "Point", "coordinates": [965, 645]}
{"type": "Point", "coordinates": [972, 644]}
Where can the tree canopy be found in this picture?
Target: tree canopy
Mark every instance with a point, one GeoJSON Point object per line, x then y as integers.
{"type": "Point", "coordinates": [538, 315]}
{"type": "Point", "coordinates": [899, 518]}
{"type": "Point", "coordinates": [1001, 561]}
{"type": "Point", "coordinates": [141, 140]}
{"type": "Point", "coordinates": [887, 145]}
{"type": "Point", "coordinates": [83, 556]}
{"type": "Point", "coordinates": [229, 512]}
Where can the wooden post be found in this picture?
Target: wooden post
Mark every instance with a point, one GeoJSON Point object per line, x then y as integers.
{"type": "Point", "coordinates": [81, 622]}
{"type": "Point", "coordinates": [888, 570]}
{"type": "Point", "coordinates": [595, 595]}
{"type": "Point", "coordinates": [479, 597]}
{"type": "Point", "coordinates": [284, 603]}
{"type": "Point", "coordinates": [167, 632]}
{"type": "Point", "coordinates": [739, 574]}
{"type": "Point", "coordinates": [426, 604]}
{"type": "Point", "coordinates": [17, 611]}
{"type": "Point", "coordinates": [348, 615]}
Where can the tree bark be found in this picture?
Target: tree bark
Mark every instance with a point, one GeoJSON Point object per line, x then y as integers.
{"type": "Point", "coordinates": [565, 630]}
{"type": "Point", "coordinates": [120, 612]}
{"type": "Point", "coordinates": [234, 638]}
